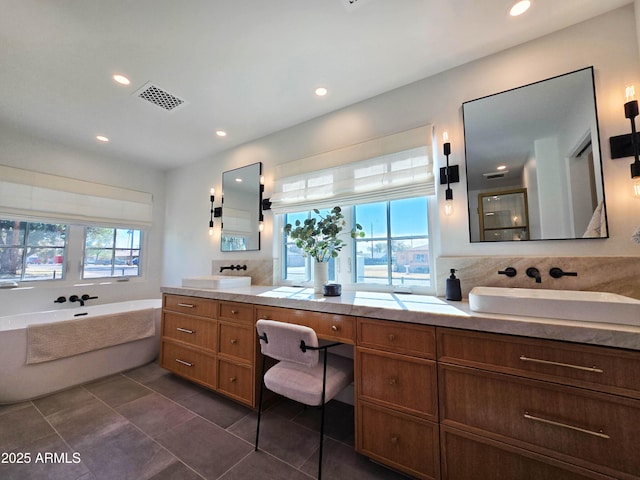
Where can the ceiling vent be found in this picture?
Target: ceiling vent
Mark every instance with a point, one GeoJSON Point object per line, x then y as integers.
{"type": "Point", "coordinates": [160, 97]}
{"type": "Point", "coordinates": [353, 4]}
{"type": "Point", "coordinates": [495, 175]}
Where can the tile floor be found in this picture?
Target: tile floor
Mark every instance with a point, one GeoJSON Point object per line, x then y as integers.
{"type": "Point", "coordinates": [149, 424]}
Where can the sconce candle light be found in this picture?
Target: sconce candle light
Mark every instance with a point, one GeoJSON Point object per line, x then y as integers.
{"type": "Point", "coordinates": [448, 175]}
{"type": "Point", "coordinates": [211, 199]}
{"type": "Point", "coordinates": [629, 145]}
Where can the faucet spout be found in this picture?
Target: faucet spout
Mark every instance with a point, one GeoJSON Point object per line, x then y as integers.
{"type": "Point", "coordinates": [533, 272]}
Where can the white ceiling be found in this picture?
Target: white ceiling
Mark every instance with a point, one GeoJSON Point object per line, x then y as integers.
{"type": "Point", "coordinates": [249, 67]}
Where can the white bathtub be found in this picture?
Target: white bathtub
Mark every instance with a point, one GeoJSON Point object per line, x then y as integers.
{"type": "Point", "coordinates": [20, 381]}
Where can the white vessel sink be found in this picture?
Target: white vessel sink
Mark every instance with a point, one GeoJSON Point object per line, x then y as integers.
{"type": "Point", "coordinates": [560, 304]}
{"type": "Point", "coordinates": [216, 281]}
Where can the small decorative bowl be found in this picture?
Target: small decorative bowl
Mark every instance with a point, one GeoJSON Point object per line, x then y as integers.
{"type": "Point", "coordinates": [332, 290]}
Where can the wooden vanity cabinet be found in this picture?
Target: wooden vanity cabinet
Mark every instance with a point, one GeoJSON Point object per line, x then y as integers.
{"type": "Point", "coordinates": [189, 336]}
{"type": "Point", "coordinates": [212, 343]}
{"type": "Point", "coordinates": [396, 396]}
{"type": "Point", "coordinates": [543, 406]}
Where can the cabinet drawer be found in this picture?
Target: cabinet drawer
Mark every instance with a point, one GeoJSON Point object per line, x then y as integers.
{"type": "Point", "coordinates": [599, 368]}
{"type": "Point", "coordinates": [236, 341]}
{"type": "Point", "coordinates": [202, 307]}
{"type": "Point", "coordinates": [195, 331]}
{"type": "Point", "coordinates": [399, 382]}
{"type": "Point", "coordinates": [236, 381]}
{"type": "Point", "coordinates": [340, 328]}
{"type": "Point", "coordinates": [401, 441]}
{"type": "Point", "coordinates": [237, 312]}
{"type": "Point", "coordinates": [595, 430]}
{"type": "Point", "coordinates": [397, 337]}
{"type": "Point", "coordinates": [191, 364]}
{"type": "Point", "coordinates": [501, 461]}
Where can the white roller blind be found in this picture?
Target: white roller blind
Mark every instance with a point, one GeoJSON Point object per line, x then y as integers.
{"type": "Point", "coordinates": [37, 196]}
{"type": "Point", "coordinates": [398, 174]}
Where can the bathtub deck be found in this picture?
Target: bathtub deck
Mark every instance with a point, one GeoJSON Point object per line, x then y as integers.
{"type": "Point", "coordinates": [147, 423]}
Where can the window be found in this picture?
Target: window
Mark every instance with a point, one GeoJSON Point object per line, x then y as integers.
{"type": "Point", "coordinates": [297, 267]}
{"type": "Point", "coordinates": [32, 251]}
{"type": "Point", "coordinates": [393, 252]}
{"type": "Point", "coordinates": [395, 249]}
{"type": "Point", "coordinates": [111, 252]}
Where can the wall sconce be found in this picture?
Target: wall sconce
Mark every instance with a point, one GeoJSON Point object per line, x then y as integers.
{"type": "Point", "coordinates": [265, 204]}
{"type": "Point", "coordinates": [211, 199]}
{"type": "Point", "coordinates": [448, 175]}
{"type": "Point", "coordinates": [629, 145]}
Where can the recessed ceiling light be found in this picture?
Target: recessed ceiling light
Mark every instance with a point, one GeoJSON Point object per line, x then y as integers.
{"type": "Point", "coordinates": [102, 138]}
{"type": "Point", "coordinates": [221, 133]}
{"type": "Point", "coordinates": [501, 167]}
{"type": "Point", "coordinates": [321, 91]}
{"type": "Point", "coordinates": [239, 180]}
{"type": "Point", "coordinates": [519, 7]}
{"type": "Point", "coordinates": [121, 79]}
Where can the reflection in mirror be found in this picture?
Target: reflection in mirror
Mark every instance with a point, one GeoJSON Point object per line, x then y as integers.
{"type": "Point", "coordinates": [533, 162]}
{"type": "Point", "coordinates": [241, 208]}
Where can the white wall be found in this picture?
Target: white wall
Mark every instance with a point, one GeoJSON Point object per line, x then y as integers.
{"type": "Point", "coordinates": [21, 150]}
{"type": "Point", "coordinates": [607, 42]}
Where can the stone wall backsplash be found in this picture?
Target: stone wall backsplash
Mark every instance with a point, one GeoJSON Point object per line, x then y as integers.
{"type": "Point", "coordinates": [260, 271]}
{"type": "Point", "coordinates": [612, 274]}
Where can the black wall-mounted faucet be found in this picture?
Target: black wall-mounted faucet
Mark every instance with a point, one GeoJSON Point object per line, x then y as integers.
{"type": "Point", "coordinates": [82, 299]}
{"type": "Point", "coordinates": [509, 272]}
{"type": "Point", "coordinates": [233, 267]}
{"type": "Point", "coordinates": [556, 272]}
{"type": "Point", "coordinates": [533, 272]}
{"type": "Point", "coordinates": [60, 300]}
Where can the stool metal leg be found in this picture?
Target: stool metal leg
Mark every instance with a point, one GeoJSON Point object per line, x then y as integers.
{"type": "Point", "coordinates": [260, 402]}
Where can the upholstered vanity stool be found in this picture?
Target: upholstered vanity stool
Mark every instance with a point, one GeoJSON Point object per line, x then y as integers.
{"type": "Point", "coordinates": [299, 374]}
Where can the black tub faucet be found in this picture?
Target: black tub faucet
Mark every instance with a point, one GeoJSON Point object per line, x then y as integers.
{"type": "Point", "coordinates": [533, 272]}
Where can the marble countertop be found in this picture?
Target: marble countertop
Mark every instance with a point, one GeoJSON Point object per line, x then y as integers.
{"type": "Point", "coordinates": [426, 310]}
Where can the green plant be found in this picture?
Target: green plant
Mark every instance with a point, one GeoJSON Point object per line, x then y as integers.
{"type": "Point", "coordinates": [318, 237]}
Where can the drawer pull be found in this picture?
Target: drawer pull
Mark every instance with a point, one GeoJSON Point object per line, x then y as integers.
{"type": "Point", "coordinates": [234, 312]}
{"type": "Point", "coordinates": [393, 381]}
{"type": "Point", "coordinates": [394, 440]}
{"type": "Point", "coordinates": [185, 330]}
{"type": "Point", "coordinates": [186, 305]}
{"type": "Point", "coordinates": [182, 362]}
{"type": "Point", "coordinates": [564, 425]}
{"type": "Point", "coordinates": [232, 379]}
{"type": "Point", "coordinates": [335, 328]}
{"type": "Point", "coordinates": [392, 337]}
{"type": "Point", "coordinates": [559, 364]}
{"type": "Point", "coordinates": [233, 341]}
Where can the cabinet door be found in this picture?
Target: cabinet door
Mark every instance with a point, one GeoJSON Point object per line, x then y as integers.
{"type": "Point", "coordinates": [594, 430]}
{"type": "Point", "coordinates": [196, 331]}
{"type": "Point", "coordinates": [236, 341]}
{"type": "Point", "coordinates": [236, 381]}
{"type": "Point", "coordinates": [469, 457]}
{"type": "Point", "coordinates": [397, 381]}
{"type": "Point", "coordinates": [191, 364]}
{"type": "Point", "coordinates": [598, 368]}
{"type": "Point", "coordinates": [201, 307]}
{"type": "Point", "coordinates": [401, 441]}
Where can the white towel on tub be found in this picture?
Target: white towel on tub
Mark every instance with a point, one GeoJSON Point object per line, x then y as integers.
{"type": "Point", "coordinates": [50, 341]}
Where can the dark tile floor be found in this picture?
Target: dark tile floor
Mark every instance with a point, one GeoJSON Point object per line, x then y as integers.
{"type": "Point", "coordinates": [149, 424]}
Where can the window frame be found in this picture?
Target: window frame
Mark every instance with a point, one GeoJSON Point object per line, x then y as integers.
{"type": "Point", "coordinates": [25, 246]}
{"type": "Point", "coordinates": [113, 249]}
{"type": "Point", "coordinates": [345, 263]}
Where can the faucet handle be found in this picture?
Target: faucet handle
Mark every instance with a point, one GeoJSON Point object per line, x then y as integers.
{"type": "Point", "coordinates": [509, 272]}
{"type": "Point", "coordinates": [556, 272]}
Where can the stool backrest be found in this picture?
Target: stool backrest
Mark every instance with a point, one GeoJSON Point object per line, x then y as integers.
{"type": "Point", "coordinates": [281, 341]}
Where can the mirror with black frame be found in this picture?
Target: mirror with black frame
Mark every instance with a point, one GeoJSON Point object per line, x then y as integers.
{"type": "Point", "coordinates": [533, 162]}
{"type": "Point", "coordinates": [242, 195]}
